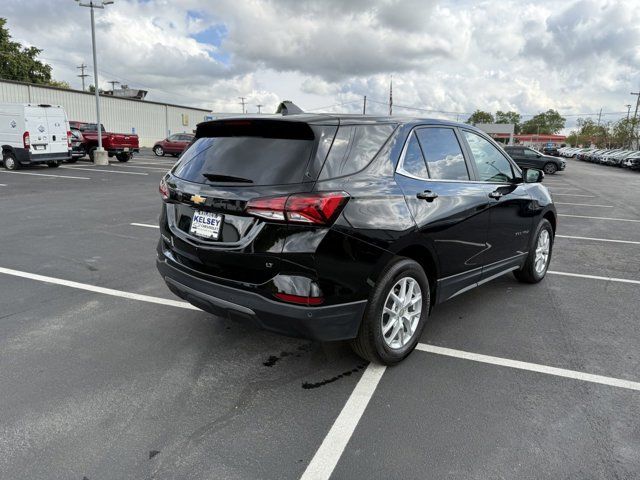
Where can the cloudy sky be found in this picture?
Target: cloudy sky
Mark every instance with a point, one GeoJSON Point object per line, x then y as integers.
{"type": "Point", "coordinates": [450, 56]}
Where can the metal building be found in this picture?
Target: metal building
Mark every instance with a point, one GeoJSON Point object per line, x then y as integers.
{"type": "Point", "coordinates": [152, 121]}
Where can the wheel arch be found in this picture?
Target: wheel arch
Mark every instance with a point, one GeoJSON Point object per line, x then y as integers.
{"type": "Point", "coordinates": [427, 260]}
{"type": "Point", "coordinates": [551, 217]}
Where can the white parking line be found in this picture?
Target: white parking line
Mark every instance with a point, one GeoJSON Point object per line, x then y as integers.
{"type": "Point", "coordinates": [598, 239]}
{"type": "Point", "coordinates": [3, 184]}
{"type": "Point", "coordinates": [93, 169]}
{"type": "Point", "coordinates": [571, 195]}
{"type": "Point", "coordinates": [46, 175]}
{"type": "Point", "coordinates": [93, 288]}
{"type": "Point", "coordinates": [532, 367]}
{"type": "Point", "coordinates": [145, 167]}
{"type": "Point", "coordinates": [326, 458]}
{"type": "Point", "coordinates": [152, 226]}
{"type": "Point", "coordinates": [584, 204]}
{"type": "Point", "coordinates": [600, 218]}
{"type": "Point", "coordinates": [595, 277]}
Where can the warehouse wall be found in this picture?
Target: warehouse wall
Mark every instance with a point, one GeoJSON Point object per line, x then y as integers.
{"type": "Point", "coordinates": [151, 121]}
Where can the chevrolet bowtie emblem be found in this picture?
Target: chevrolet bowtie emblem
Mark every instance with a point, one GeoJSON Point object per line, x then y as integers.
{"type": "Point", "coordinates": [197, 199]}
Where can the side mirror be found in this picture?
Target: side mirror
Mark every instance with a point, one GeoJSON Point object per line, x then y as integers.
{"type": "Point", "coordinates": [533, 175]}
{"type": "Point", "coordinates": [538, 155]}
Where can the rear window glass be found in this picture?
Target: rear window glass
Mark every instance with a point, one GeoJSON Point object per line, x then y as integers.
{"type": "Point", "coordinates": [249, 152]}
{"type": "Point", "coordinates": [354, 146]}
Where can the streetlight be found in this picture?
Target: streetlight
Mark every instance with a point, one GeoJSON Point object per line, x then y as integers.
{"type": "Point", "coordinates": [99, 156]}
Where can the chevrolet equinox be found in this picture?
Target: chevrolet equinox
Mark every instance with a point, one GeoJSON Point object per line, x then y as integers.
{"type": "Point", "coordinates": [337, 227]}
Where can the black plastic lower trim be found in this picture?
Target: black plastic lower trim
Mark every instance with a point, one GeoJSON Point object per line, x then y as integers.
{"type": "Point", "coordinates": [322, 323]}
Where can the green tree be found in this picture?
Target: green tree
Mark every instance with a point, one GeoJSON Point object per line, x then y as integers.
{"type": "Point", "coordinates": [480, 117]}
{"type": "Point", "coordinates": [509, 117]}
{"type": "Point", "coordinates": [20, 63]}
{"type": "Point", "coordinates": [589, 132]}
{"type": "Point", "coordinates": [547, 123]}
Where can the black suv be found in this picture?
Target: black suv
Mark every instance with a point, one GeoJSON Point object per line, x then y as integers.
{"type": "Point", "coordinates": [347, 227]}
{"type": "Point", "coordinates": [527, 157]}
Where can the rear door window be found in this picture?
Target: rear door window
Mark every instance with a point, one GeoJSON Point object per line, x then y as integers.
{"type": "Point", "coordinates": [250, 153]}
{"type": "Point", "coordinates": [353, 148]}
{"type": "Point", "coordinates": [443, 154]}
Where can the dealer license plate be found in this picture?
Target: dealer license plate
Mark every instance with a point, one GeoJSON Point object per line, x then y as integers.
{"type": "Point", "coordinates": [126, 149]}
{"type": "Point", "coordinates": [206, 225]}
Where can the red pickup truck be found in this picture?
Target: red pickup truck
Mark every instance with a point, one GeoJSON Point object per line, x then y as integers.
{"type": "Point", "coordinates": [119, 145]}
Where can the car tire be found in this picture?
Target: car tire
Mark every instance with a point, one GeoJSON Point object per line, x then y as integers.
{"type": "Point", "coordinates": [158, 150]}
{"type": "Point", "coordinates": [533, 271]}
{"type": "Point", "coordinates": [54, 164]}
{"type": "Point", "coordinates": [92, 151]}
{"type": "Point", "coordinates": [10, 162]}
{"type": "Point", "coordinates": [72, 160]}
{"type": "Point", "coordinates": [550, 168]}
{"type": "Point", "coordinates": [372, 342]}
{"type": "Point", "coordinates": [123, 157]}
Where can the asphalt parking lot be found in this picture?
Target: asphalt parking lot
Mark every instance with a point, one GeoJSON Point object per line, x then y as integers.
{"type": "Point", "coordinates": [105, 374]}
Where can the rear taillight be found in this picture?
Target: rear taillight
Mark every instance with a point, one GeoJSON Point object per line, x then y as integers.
{"type": "Point", "coordinates": [311, 208]}
{"type": "Point", "coordinates": [26, 140]}
{"type": "Point", "coordinates": [69, 139]}
{"type": "Point", "coordinates": [299, 299]}
{"type": "Point", "coordinates": [163, 188]}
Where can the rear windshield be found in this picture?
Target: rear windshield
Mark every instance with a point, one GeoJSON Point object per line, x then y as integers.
{"type": "Point", "coordinates": [249, 154]}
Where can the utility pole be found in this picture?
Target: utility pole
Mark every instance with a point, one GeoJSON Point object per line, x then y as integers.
{"type": "Point", "coordinates": [82, 75]}
{"type": "Point", "coordinates": [99, 156]}
{"type": "Point", "coordinates": [635, 117]}
{"type": "Point", "coordinates": [599, 116]}
{"type": "Point", "coordinates": [364, 106]}
{"type": "Point", "coordinates": [628, 113]}
{"type": "Point", "coordinates": [391, 96]}
{"type": "Point", "coordinates": [242, 102]}
{"type": "Point", "coordinates": [113, 84]}
{"type": "Point", "coordinates": [259, 108]}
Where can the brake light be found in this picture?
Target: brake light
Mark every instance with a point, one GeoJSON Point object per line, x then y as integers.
{"type": "Point", "coordinates": [26, 140]}
{"type": "Point", "coordinates": [299, 299]}
{"type": "Point", "coordinates": [163, 188]}
{"type": "Point", "coordinates": [69, 139]}
{"type": "Point", "coordinates": [311, 208]}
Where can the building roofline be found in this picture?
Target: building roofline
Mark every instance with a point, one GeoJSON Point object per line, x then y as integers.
{"type": "Point", "coordinates": [51, 87]}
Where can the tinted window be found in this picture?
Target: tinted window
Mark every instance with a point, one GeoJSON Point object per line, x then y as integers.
{"type": "Point", "coordinates": [413, 161]}
{"type": "Point", "coordinates": [263, 161]}
{"type": "Point", "coordinates": [173, 138]}
{"type": "Point", "coordinates": [354, 146]}
{"type": "Point", "coordinates": [530, 153]}
{"type": "Point", "coordinates": [443, 154]}
{"type": "Point", "coordinates": [491, 163]}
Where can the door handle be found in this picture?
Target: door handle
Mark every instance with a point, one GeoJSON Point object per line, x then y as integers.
{"type": "Point", "coordinates": [427, 195]}
{"type": "Point", "coordinates": [496, 194]}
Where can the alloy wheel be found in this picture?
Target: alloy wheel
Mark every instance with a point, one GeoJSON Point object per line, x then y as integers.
{"type": "Point", "coordinates": [401, 312]}
{"type": "Point", "coordinates": [542, 252]}
{"type": "Point", "coordinates": [9, 163]}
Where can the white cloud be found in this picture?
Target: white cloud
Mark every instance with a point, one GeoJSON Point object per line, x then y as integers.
{"type": "Point", "coordinates": [454, 56]}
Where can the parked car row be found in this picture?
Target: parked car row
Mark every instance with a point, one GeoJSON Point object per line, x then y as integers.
{"type": "Point", "coordinates": [618, 157]}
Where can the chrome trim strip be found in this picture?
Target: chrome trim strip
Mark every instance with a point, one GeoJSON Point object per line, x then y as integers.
{"type": "Point", "coordinates": [483, 281]}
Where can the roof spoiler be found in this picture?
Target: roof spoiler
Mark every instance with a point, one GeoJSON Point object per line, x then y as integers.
{"type": "Point", "coordinates": [288, 108]}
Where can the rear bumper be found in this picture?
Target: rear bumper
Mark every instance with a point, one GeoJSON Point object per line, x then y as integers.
{"type": "Point", "coordinates": [25, 157]}
{"type": "Point", "coordinates": [322, 323]}
{"type": "Point", "coordinates": [116, 151]}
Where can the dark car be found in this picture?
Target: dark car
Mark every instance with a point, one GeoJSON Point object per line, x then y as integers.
{"type": "Point", "coordinates": [553, 151]}
{"type": "Point", "coordinates": [347, 227]}
{"type": "Point", "coordinates": [173, 144]}
{"type": "Point", "coordinates": [77, 145]}
{"type": "Point", "coordinates": [527, 157]}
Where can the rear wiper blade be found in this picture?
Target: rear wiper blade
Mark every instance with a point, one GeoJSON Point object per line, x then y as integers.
{"type": "Point", "coordinates": [225, 178]}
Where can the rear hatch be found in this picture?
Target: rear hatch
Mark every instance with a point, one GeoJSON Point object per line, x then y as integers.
{"type": "Point", "coordinates": [58, 128]}
{"type": "Point", "coordinates": [36, 124]}
{"type": "Point", "coordinates": [229, 164]}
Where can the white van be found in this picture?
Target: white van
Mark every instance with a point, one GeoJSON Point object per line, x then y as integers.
{"type": "Point", "coordinates": [31, 134]}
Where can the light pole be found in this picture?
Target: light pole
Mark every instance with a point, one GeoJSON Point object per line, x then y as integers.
{"type": "Point", "coordinates": [99, 156]}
